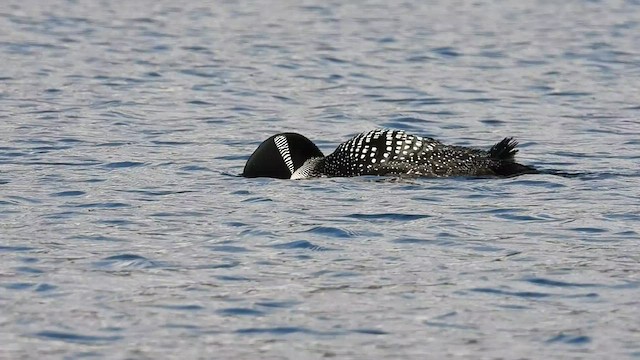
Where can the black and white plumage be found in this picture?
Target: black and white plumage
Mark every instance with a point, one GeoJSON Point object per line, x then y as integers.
{"type": "Point", "coordinates": [381, 152]}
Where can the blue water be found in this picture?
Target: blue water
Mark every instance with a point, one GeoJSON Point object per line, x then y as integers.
{"type": "Point", "coordinates": [125, 231]}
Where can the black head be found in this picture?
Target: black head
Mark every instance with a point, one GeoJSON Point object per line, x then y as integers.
{"type": "Point", "coordinates": [280, 156]}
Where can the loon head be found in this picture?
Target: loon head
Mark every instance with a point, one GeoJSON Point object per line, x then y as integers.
{"type": "Point", "coordinates": [282, 156]}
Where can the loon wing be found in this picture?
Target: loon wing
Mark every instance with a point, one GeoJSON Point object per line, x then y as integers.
{"type": "Point", "coordinates": [394, 152]}
{"type": "Point", "coordinates": [442, 160]}
{"type": "Point", "coordinates": [370, 153]}
{"type": "Point", "coordinates": [407, 154]}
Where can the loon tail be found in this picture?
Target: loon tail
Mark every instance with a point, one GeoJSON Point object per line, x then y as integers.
{"type": "Point", "coordinates": [504, 152]}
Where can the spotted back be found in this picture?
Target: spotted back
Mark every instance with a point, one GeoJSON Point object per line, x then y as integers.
{"type": "Point", "coordinates": [394, 152]}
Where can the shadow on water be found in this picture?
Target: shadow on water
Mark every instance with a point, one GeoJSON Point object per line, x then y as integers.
{"type": "Point", "coordinates": [588, 175]}
{"type": "Point", "coordinates": [581, 175]}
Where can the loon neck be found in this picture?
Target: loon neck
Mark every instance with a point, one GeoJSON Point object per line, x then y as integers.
{"type": "Point", "coordinates": [311, 168]}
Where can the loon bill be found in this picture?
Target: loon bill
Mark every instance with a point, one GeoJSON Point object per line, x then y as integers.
{"type": "Point", "coordinates": [381, 152]}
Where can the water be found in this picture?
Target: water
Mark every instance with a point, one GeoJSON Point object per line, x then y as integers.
{"type": "Point", "coordinates": [125, 232]}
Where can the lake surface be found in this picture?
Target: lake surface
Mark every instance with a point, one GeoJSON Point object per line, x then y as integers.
{"type": "Point", "coordinates": [126, 232]}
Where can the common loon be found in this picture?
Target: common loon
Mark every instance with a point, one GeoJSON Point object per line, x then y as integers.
{"type": "Point", "coordinates": [381, 152]}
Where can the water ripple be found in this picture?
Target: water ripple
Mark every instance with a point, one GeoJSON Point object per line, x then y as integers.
{"type": "Point", "coordinates": [555, 283]}
{"type": "Point", "coordinates": [240, 312]}
{"type": "Point", "coordinates": [330, 231]}
{"type": "Point", "coordinates": [525, 294]}
{"type": "Point", "coordinates": [123, 164]}
{"type": "Point", "coordinates": [77, 338]}
{"type": "Point", "coordinates": [189, 307]}
{"type": "Point", "coordinates": [570, 339]}
{"type": "Point", "coordinates": [125, 262]}
{"type": "Point", "coordinates": [69, 193]}
{"type": "Point", "coordinates": [387, 217]}
{"type": "Point", "coordinates": [5, 248]}
{"type": "Point", "coordinates": [282, 331]}
{"type": "Point", "coordinates": [299, 244]}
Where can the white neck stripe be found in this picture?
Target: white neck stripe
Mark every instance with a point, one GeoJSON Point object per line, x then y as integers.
{"type": "Point", "coordinates": [283, 148]}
